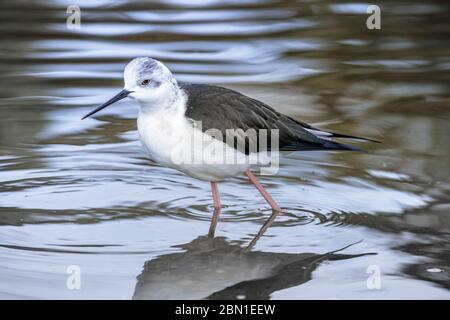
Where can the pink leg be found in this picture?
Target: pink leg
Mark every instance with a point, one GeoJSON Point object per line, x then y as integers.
{"type": "Point", "coordinates": [216, 196]}
{"type": "Point", "coordinates": [261, 190]}
{"type": "Point", "coordinates": [217, 207]}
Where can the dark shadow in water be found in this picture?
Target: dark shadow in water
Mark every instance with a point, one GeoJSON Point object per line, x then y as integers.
{"type": "Point", "coordinates": [294, 271]}
{"type": "Point", "coordinates": [213, 268]}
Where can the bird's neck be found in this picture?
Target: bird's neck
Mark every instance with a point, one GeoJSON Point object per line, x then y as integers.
{"type": "Point", "coordinates": [171, 105]}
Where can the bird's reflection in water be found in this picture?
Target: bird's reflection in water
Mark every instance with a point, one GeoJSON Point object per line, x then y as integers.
{"type": "Point", "coordinates": [213, 268]}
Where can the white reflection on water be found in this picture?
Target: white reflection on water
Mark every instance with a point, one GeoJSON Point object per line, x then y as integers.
{"type": "Point", "coordinates": [217, 28]}
{"type": "Point", "coordinates": [206, 15]}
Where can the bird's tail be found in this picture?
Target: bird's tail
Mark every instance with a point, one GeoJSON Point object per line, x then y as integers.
{"type": "Point", "coordinates": [319, 145]}
{"type": "Point", "coordinates": [332, 145]}
{"type": "Point", "coordinates": [346, 136]}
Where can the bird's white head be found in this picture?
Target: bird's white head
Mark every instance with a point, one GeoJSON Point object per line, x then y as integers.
{"type": "Point", "coordinates": [149, 82]}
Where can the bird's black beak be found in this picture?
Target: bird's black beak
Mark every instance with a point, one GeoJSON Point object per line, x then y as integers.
{"type": "Point", "coordinates": [121, 95]}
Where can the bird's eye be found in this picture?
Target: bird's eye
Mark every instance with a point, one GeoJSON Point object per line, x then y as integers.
{"type": "Point", "coordinates": [145, 82]}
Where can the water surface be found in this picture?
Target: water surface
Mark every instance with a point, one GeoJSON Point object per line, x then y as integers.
{"type": "Point", "coordinates": [83, 193]}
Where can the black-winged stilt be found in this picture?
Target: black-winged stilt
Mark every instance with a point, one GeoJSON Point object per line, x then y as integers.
{"type": "Point", "coordinates": [176, 120]}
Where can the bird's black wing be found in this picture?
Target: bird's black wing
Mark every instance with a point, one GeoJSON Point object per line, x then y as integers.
{"type": "Point", "coordinates": [220, 108]}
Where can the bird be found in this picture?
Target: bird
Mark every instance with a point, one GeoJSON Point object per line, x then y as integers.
{"type": "Point", "coordinates": [186, 126]}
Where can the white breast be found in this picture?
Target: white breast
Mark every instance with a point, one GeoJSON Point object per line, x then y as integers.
{"type": "Point", "coordinates": [171, 140]}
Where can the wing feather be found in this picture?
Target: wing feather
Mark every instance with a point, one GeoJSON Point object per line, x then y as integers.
{"type": "Point", "coordinates": [221, 108]}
